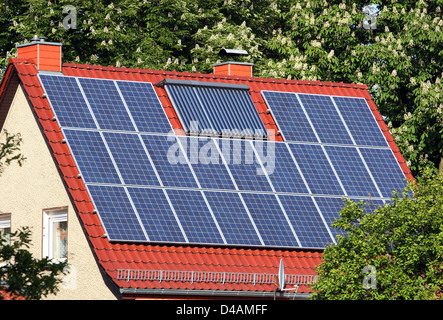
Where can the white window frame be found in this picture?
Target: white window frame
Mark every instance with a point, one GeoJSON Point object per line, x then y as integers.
{"type": "Point", "coordinates": [5, 220]}
{"type": "Point", "coordinates": [5, 223]}
{"type": "Point", "coordinates": [49, 218]}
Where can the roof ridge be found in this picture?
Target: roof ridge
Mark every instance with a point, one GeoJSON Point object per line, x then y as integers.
{"type": "Point", "coordinates": [213, 76]}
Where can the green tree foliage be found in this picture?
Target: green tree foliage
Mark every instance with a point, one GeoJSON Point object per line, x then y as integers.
{"type": "Point", "coordinates": [9, 150]}
{"type": "Point", "coordinates": [21, 273]}
{"type": "Point", "coordinates": [399, 58]}
{"type": "Point", "coordinates": [402, 241]}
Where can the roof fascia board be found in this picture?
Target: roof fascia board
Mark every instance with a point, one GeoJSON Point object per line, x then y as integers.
{"type": "Point", "coordinates": [7, 91]}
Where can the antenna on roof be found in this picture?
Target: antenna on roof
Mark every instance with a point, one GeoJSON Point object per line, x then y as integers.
{"type": "Point", "coordinates": [281, 277]}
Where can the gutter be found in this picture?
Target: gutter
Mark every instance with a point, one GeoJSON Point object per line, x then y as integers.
{"type": "Point", "coordinates": [215, 293]}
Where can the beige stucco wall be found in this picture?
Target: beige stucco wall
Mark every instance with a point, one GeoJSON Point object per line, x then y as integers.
{"type": "Point", "coordinates": [27, 191]}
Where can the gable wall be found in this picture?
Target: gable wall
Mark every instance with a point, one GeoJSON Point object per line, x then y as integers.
{"type": "Point", "coordinates": [27, 191]}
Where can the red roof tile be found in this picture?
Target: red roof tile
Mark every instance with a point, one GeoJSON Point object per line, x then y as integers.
{"type": "Point", "coordinates": [117, 256]}
{"type": "Point", "coordinates": [5, 295]}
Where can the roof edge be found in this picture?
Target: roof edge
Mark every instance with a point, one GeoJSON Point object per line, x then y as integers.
{"type": "Point", "coordinates": [213, 293]}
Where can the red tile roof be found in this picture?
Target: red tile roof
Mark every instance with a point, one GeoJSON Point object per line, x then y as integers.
{"type": "Point", "coordinates": [5, 295]}
{"type": "Point", "coordinates": [200, 259]}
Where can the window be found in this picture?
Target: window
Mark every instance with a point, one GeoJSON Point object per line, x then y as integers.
{"type": "Point", "coordinates": [55, 234]}
{"type": "Point", "coordinates": [5, 231]}
{"type": "Point", "coordinates": [5, 227]}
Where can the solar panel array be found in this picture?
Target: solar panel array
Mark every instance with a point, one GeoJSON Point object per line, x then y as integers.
{"type": "Point", "coordinates": [149, 185]}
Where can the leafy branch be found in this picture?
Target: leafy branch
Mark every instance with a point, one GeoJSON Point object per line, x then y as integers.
{"type": "Point", "coordinates": [9, 149]}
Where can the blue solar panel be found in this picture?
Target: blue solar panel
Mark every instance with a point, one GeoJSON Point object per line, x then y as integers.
{"type": "Point", "coordinates": [360, 121]}
{"type": "Point", "coordinates": [169, 161]}
{"type": "Point", "coordinates": [270, 220]}
{"type": "Point", "coordinates": [245, 169]}
{"type": "Point", "coordinates": [106, 104]}
{"type": "Point", "coordinates": [144, 106]}
{"type": "Point", "coordinates": [160, 194]}
{"type": "Point", "coordinates": [316, 169]}
{"type": "Point", "coordinates": [195, 217]}
{"type": "Point", "coordinates": [116, 213]}
{"type": "Point", "coordinates": [207, 162]}
{"type": "Point", "coordinates": [156, 215]}
{"type": "Point", "coordinates": [131, 159]}
{"type": "Point", "coordinates": [289, 116]}
{"type": "Point", "coordinates": [385, 170]}
{"type": "Point", "coordinates": [306, 221]}
{"type": "Point", "coordinates": [325, 118]}
{"type": "Point", "coordinates": [352, 172]}
{"type": "Point", "coordinates": [280, 167]}
{"type": "Point", "coordinates": [67, 101]}
{"type": "Point", "coordinates": [91, 156]}
{"type": "Point", "coordinates": [232, 217]}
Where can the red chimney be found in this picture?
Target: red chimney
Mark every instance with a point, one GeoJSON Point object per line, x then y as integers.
{"type": "Point", "coordinates": [232, 68]}
{"type": "Point", "coordinates": [47, 56]}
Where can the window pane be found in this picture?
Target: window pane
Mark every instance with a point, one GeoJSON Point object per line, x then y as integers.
{"type": "Point", "coordinates": [60, 238]}
{"type": "Point", "coordinates": [5, 234]}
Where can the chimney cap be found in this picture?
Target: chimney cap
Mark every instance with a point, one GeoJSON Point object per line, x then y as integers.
{"type": "Point", "coordinates": [36, 40]}
{"type": "Point", "coordinates": [232, 52]}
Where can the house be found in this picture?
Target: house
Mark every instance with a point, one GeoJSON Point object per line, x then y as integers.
{"type": "Point", "coordinates": [97, 188]}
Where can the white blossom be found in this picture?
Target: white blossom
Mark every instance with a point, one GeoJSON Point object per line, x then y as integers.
{"type": "Point", "coordinates": [298, 65]}
{"type": "Point", "coordinates": [316, 43]}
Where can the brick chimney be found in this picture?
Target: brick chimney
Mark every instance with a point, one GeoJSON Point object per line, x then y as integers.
{"type": "Point", "coordinates": [233, 68]}
{"type": "Point", "coordinates": [47, 56]}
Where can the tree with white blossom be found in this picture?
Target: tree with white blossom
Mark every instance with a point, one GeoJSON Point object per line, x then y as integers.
{"type": "Point", "coordinates": [394, 47]}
